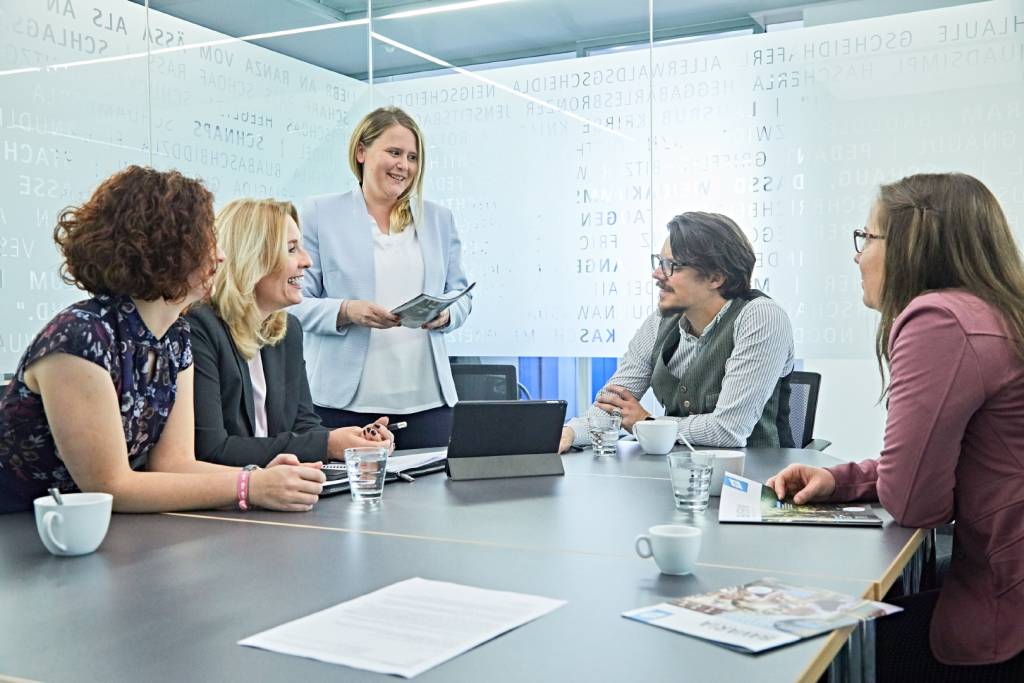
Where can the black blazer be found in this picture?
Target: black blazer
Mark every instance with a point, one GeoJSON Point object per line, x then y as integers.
{"type": "Point", "coordinates": [225, 413]}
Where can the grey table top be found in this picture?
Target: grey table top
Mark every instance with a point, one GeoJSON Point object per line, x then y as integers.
{"type": "Point", "coordinates": [167, 597]}
{"type": "Point", "coordinates": [600, 506]}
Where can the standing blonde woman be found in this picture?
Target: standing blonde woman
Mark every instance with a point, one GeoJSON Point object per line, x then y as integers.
{"type": "Point", "coordinates": [252, 397]}
{"type": "Point", "coordinates": [372, 249]}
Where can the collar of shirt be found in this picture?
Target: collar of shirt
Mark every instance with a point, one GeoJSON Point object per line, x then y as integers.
{"type": "Point", "coordinates": [685, 329]}
{"type": "Point", "coordinates": [131, 323]}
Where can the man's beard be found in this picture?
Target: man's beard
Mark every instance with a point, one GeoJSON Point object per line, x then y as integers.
{"type": "Point", "coordinates": [669, 309]}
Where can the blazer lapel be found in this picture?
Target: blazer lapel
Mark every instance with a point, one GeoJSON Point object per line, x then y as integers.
{"type": "Point", "coordinates": [355, 248]}
{"type": "Point", "coordinates": [434, 265]}
{"type": "Point", "coordinates": [274, 371]}
{"type": "Point", "coordinates": [246, 381]}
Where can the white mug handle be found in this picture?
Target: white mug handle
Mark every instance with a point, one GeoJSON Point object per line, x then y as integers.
{"type": "Point", "coordinates": [48, 519]}
{"type": "Point", "coordinates": [640, 541]}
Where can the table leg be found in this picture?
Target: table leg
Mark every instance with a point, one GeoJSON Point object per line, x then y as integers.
{"type": "Point", "coordinates": [922, 564]}
{"type": "Point", "coordinates": [855, 663]}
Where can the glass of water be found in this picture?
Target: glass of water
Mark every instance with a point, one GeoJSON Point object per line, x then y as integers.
{"type": "Point", "coordinates": [691, 479]}
{"type": "Point", "coordinates": [604, 432]}
{"type": "Point", "coordinates": [366, 469]}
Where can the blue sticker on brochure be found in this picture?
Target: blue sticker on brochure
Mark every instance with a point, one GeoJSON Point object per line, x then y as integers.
{"type": "Point", "coordinates": [735, 483]}
{"type": "Point", "coordinates": [652, 615]}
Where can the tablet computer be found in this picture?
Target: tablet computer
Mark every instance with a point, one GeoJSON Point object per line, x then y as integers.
{"type": "Point", "coordinates": [505, 439]}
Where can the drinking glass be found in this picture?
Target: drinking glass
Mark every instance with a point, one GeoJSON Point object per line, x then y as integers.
{"type": "Point", "coordinates": [691, 479]}
{"type": "Point", "coordinates": [604, 432]}
{"type": "Point", "coordinates": [366, 469]}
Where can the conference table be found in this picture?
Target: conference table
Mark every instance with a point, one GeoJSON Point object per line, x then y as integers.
{"type": "Point", "coordinates": [167, 597]}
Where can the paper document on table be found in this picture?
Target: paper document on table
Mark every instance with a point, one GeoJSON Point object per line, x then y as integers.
{"type": "Point", "coordinates": [401, 463]}
{"type": "Point", "coordinates": [405, 628]}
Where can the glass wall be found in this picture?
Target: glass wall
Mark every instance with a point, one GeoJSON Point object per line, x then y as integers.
{"type": "Point", "coordinates": [561, 134]}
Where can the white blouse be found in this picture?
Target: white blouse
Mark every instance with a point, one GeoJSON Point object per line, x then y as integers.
{"type": "Point", "coordinates": [399, 376]}
{"type": "Point", "coordinates": [259, 395]}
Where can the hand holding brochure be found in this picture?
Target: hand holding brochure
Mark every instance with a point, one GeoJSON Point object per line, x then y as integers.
{"type": "Point", "coordinates": [424, 308]}
{"type": "Point", "coordinates": [760, 615]}
{"type": "Point", "coordinates": [745, 500]}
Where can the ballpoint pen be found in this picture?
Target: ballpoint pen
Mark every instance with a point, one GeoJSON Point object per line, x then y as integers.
{"type": "Point", "coordinates": [371, 429]}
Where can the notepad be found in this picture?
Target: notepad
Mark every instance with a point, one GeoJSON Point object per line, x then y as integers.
{"type": "Point", "coordinates": [405, 628]}
{"type": "Point", "coordinates": [406, 467]}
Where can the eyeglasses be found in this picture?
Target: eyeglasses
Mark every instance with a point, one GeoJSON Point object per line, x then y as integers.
{"type": "Point", "coordinates": [861, 237]}
{"type": "Point", "coordinates": [667, 265]}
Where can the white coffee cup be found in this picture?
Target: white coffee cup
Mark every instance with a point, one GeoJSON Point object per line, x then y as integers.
{"type": "Point", "coordinates": [78, 526]}
{"type": "Point", "coordinates": [675, 547]}
{"type": "Point", "coordinates": [725, 461]}
{"type": "Point", "coordinates": [656, 437]}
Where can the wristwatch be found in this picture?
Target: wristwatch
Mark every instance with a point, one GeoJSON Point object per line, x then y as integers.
{"type": "Point", "coordinates": [251, 467]}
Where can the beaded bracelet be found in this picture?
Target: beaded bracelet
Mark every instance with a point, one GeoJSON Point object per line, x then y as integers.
{"type": "Point", "coordinates": [243, 490]}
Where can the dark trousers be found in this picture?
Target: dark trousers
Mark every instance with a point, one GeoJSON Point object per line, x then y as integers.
{"type": "Point", "coordinates": [427, 428]}
{"type": "Point", "coordinates": [904, 654]}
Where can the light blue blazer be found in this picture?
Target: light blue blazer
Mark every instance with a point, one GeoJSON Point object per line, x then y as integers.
{"type": "Point", "coordinates": [336, 234]}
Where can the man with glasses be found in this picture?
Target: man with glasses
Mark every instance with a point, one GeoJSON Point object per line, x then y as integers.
{"type": "Point", "coordinates": [717, 353]}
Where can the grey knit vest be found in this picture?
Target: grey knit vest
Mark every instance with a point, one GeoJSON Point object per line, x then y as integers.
{"type": "Point", "coordinates": [697, 391]}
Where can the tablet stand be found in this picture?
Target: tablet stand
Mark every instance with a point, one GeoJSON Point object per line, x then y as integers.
{"type": "Point", "coordinates": [500, 466]}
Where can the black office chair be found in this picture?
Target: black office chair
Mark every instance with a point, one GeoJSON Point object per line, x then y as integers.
{"type": "Point", "coordinates": [803, 404]}
{"type": "Point", "coordinates": [477, 382]}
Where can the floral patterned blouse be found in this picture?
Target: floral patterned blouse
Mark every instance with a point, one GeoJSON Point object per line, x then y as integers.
{"type": "Point", "coordinates": [107, 331]}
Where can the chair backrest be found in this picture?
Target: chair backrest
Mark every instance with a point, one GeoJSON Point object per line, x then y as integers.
{"type": "Point", "coordinates": [478, 382]}
{"type": "Point", "coordinates": [803, 404]}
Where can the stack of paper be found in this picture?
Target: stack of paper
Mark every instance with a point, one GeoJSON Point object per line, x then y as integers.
{"type": "Point", "coordinates": [400, 463]}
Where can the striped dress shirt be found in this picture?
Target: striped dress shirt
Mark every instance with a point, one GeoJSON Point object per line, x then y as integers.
{"type": "Point", "coordinates": [761, 355]}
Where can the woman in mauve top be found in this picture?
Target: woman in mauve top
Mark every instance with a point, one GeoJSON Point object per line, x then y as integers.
{"type": "Point", "coordinates": [102, 398]}
{"type": "Point", "coordinates": [938, 261]}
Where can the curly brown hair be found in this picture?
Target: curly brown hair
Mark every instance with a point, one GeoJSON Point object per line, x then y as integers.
{"type": "Point", "coordinates": [143, 233]}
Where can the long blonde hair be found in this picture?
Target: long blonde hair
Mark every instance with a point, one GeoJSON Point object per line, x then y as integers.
{"type": "Point", "coordinates": [947, 231]}
{"type": "Point", "coordinates": [369, 129]}
{"type": "Point", "coordinates": [253, 234]}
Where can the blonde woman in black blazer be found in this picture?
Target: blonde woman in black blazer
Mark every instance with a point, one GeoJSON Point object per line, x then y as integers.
{"type": "Point", "coordinates": [252, 398]}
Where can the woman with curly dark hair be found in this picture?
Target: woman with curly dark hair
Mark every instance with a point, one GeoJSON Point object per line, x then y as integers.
{"type": "Point", "coordinates": [102, 398]}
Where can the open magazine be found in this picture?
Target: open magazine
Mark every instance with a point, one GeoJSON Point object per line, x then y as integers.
{"type": "Point", "coordinates": [747, 501]}
{"type": "Point", "coordinates": [425, 307]}
{"type": "Point", "coordinates": [760, 615]}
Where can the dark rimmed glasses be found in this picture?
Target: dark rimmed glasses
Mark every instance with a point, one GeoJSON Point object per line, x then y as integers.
{"type": "Point", "coordinates": [667, 265]}
{"type": "Point", "coordinates": [861, 237]}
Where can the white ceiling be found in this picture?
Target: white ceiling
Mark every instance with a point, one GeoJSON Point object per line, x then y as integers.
{"type": "Point", "coordinates": [519, 28]}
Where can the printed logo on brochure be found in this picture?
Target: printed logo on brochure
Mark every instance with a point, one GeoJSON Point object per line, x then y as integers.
{"type": "Point", "coordinates": [735, 483]}
{"type": "Point", "coordinates": [652, 615]}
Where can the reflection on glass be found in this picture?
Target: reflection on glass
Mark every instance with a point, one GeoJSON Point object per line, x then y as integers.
{"type": "Point", "coordinates": [73, 109]}
{"type": "Point", "coordinates": [544, 161]}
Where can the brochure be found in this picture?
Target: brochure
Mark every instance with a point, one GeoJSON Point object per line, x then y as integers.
{"type": "Point", "coordinates": [760, 615]}
{"type": "Point", "coordinates": [747, 501]}
{"type": "Point", "coordinates": [424, 308]}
